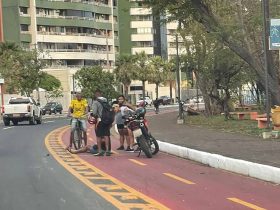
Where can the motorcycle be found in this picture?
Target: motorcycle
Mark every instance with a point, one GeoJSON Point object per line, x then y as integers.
{"type": "Point", "coordinates": [145, 141]}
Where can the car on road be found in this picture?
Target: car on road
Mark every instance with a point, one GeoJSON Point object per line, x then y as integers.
{"type": "Point", "coordinates": [148, 101]}
{"type": "Point", "coordinates": [52, 108]}
{"type": "Point", "coordinates": [164, 100]}
{"type": "Point", "coordinates": [22, 109]}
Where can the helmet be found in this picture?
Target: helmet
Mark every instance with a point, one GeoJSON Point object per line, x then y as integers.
{"type": "Point", "coordinates": [140, 112]}
{"type": "Point", "coordinates": [92, 120]}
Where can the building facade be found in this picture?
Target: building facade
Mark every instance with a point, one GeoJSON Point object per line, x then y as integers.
{"type": "Point", "coordinates": [148, 33]}
{"type": "Point", "coordinates": [1, 23]}
{"type": "Point", "coordinates": [70, 33]}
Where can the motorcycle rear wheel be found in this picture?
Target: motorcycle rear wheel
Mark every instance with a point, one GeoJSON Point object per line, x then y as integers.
{"type": "Point", "coordinates": [153, 145]}
{"type": "Point", "coordinates": [145, 147]}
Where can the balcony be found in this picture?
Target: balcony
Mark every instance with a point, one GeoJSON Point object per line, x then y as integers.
{"type": "Point", "coordinates": [74, 18]}
{"type": "Point", "coordinates": [95, 3]}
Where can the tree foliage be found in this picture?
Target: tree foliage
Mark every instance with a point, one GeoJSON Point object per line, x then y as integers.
{"type": "Point", "coordinates": [124, 71]}
{"type": "Point", "coordinates": [236, 24]}
{"type": "Point", "coordinates": [20, 68]}
{"type": "Point", "coordinates": [93, 78]}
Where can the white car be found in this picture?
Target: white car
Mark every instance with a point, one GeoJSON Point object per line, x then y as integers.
{"type": "Point", "coordinates": [22, 109]}
{"type": "Point", "coordinates": [148, 101]}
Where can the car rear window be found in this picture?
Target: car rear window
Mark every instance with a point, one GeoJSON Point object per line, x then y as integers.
{"type": "Point", "coordinates": [19, 101]}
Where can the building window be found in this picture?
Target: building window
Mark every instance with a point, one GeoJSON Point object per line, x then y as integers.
{"type": "Point", "coordinates": [23, 27]}
{"type": "Point", "coordinates": [23, 10]}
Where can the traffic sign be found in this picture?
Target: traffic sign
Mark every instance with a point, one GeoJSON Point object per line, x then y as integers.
{"type": "Point", "coordinates": [1, 81]}
{"type": "Point", "coordinates": [275, 34]}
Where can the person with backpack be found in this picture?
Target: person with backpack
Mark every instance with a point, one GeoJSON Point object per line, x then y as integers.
{"type": "Point", "coordinates": [105, 116]}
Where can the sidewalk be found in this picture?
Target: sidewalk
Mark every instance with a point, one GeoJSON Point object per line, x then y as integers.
{"type": "Point", "coordinates": [237, 146]}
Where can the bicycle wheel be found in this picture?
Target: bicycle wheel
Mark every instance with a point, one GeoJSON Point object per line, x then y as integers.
{"type": "Point", "coordinates": [77, 138]}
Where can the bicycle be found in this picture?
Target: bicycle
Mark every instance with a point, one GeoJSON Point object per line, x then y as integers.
{"type": "Point", "coordinates": [78, 139]}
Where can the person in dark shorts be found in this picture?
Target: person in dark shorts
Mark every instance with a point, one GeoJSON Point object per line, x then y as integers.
{"type": "Point", "coordinates": [102, 129]}
{"type": "Point", "coordinates": [122, 130]}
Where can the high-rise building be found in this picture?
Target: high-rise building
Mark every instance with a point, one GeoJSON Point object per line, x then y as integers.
{"type": "Point", "coordinates": [1, 23]}
{"type": "Point", "coordinates": [147, 32]}
{"type": "Point", "coordinates": [71, 33]}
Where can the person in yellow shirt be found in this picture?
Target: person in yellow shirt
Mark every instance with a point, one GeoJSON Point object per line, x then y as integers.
{"type": "Point", "coordinates": [78, 110]}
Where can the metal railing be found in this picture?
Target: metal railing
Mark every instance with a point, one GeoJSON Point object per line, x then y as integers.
{"type": "Point", "coordinates": [73, 34]}
{"type": "Point", "coordinates": [79, 50]}
{"type": "Point", "coordinates": [84, 2]}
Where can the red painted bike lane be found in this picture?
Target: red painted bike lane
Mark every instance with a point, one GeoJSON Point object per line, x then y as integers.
{"type": "Point", "coordinates": [182, 184]}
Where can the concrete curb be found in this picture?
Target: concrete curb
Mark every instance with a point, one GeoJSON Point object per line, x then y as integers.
{"type": "Point", "coordinates": [255, 170]}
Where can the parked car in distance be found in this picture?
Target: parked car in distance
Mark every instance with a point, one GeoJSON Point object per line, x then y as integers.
{"type": "Point", "coordinates": [148, 101]}
{"type": "Point", "coordinates": [52, 107]}
{"type": "Point", "coordinates": [164, 100]}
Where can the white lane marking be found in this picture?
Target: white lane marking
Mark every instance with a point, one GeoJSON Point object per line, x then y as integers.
{"type": "Point", "coordinates": [49, 121]}
{"type": "Point", "coordinates": [7, 128]}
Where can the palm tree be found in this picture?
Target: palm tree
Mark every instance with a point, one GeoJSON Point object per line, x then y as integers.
{"type": "Point", "coordinates": [143, 70]}
{"type": "Point", "coordinates": [124, 71]}
{"type": "Point", "coordinates": [159, 70]}
{"type": "Point", "coordinates": [8, 46]}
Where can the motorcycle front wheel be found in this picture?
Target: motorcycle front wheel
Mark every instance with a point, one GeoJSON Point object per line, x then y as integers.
{"type": "Point", "coordinates": [145, 147]}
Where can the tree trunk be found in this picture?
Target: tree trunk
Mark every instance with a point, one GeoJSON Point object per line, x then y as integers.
{"type": "Point", "coordinates": [157, 90]}
{"type": "Point", "coordinates": [170, 90]}
{"type": "Point", "coordinates": [226, 105]}
{"type": "Point", "coordinates": [126, 91]}
{"type": "Point", "coordinates": [143, 90]}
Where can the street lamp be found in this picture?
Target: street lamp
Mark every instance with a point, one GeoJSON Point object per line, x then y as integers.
{"type": "Point", "coordinates": [265, 4]}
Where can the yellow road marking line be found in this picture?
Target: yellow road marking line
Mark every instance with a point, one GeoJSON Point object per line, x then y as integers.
{"type": "Point", "coordinates": [120, 201]}
{"type": "Point", "coordinates": [137, 162]}
{"type": "Point", "coordinates": [178, 178]}
{"type": "Point", "coordinates": [244, 203]}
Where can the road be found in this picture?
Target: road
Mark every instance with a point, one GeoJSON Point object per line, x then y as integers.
{"type": "Point", "coordinates": [30, 179]}
{"type": "Point", "coordinates": [37, 173]}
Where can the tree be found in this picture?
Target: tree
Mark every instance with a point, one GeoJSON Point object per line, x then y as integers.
{"type": "Point", "coordinates": [49, 82]}
{"type": "Point", "coordinates": [159, 70]}
{"type": "Point", "coordinates": [142, 70]}
{"type": "Point", "coordinates": [92, 78]}
{"type": "Point", "coordinates": [237, 25]}
{"type": "Point", "coordinates": [18, 66]}
{"type": "Point", "coordinates": [54, 93]}
{"type": "Point", "coordinates": [124, 71]}
{"type": "Point", "coordinates": [218, 71]}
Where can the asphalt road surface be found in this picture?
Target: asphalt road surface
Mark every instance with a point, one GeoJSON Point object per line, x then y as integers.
{"type": "Point", "coordinates": [30, 179]}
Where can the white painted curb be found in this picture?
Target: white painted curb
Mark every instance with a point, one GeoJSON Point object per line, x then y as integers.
{"type": "Point", "coordinates": [255, 170]}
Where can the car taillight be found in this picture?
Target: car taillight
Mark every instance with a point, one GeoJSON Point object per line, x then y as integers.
{"type": "Point", "coordinates": [28, 108]}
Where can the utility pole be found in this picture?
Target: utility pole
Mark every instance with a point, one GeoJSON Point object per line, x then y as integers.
{"type": "Point", "coordinates": [178, 80]}
{"type": "Point", "coordinates": [265, 5]}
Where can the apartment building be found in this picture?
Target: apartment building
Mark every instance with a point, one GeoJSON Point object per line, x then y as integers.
{"type": "Point", "coordinates": [1, 23]}
{"type": "Point", "coordinates": [149, 34]}
{"type": "Point", "coordinates": [70, 33]}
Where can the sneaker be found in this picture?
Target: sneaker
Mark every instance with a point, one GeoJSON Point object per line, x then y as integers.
{"type": "Point", "coordinates": [108, 153]}
{"type": "Point", "coordinates": [120, 148]}
{"type": "Point", "coordinates": [129, 149]}
{"type": "Point", "coordinates": [99, 153]}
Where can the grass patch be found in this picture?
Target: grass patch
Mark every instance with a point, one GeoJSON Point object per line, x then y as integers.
{"type": "Point", "coordinates": [246, 126]}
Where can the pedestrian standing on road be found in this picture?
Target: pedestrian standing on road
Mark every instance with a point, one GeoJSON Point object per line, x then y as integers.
{"type": "Point", "coordinates": [126, 107]}
{"type": "Point", "coordinates": [105, 117]}
{"type": "Point", "coordinates": [156, 105]}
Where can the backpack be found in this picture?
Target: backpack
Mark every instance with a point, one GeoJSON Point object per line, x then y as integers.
{"type": "Point", "coordinates": [108, 114]}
